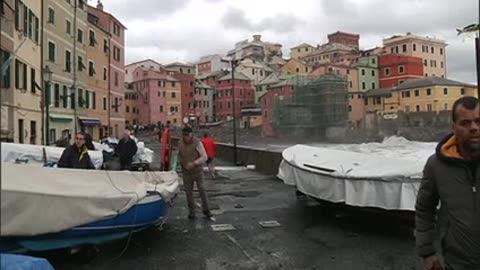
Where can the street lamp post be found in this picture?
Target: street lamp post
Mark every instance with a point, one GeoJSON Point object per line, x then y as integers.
{"type": "Point", "coordinates": [47, 78]}
{"type": "Point", "coordinates": [233, 65]}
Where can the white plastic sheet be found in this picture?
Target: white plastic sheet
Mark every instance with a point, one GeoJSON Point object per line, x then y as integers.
{"type": "Point", "coordinates": [34, 153]}
{"type": "Point", "coordinates": [353, 178]}
{"type": "Point", "coordinates": [37, 200]}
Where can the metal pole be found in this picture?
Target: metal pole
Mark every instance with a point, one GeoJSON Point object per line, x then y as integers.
{"type": "Point", "coordinates": [74, 66]}
{"type": "Point", "coordinates": [47, 112]}
{"type": "Point", "coordinates": [233, 63]}
{"type": "Point", "coordinates": [477, 54]}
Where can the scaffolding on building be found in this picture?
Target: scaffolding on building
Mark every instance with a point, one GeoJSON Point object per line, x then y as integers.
{"type": "Point", "coordinates": [318, 102]}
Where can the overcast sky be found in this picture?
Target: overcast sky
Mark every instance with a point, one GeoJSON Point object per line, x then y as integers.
{"type": "Point", "coordinates": [184, 30]}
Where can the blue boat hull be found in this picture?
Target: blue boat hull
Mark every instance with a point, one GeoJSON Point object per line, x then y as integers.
{"type": "Point", "coordinates": [148, 212]}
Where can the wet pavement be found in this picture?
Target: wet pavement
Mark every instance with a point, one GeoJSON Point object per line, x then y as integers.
{"type": "Point", "coordinates": [311, 235]}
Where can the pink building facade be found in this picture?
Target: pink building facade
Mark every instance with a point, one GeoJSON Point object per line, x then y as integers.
{"type": "Point", "coordinates": [152, 87]}
{"type": "Point", "coordinates": [267, 102]}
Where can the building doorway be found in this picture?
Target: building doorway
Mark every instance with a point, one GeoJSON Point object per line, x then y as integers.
{"type": "Point", "coordinates": [21, 131]}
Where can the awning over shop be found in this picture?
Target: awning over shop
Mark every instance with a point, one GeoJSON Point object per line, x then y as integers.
{"type": "Point", "coordinates": [90, 121]}
{"type": "Point", "coordinates": [60, 119]}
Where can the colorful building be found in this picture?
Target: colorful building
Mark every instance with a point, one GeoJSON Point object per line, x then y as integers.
{"type": "Point", "coordinates": [132, 109]}
{"type": "Point", "coordinates": [159, 100]}
{"type": "Point", "coordinates": [368, 77]}
{"type": "Point", "coordinates": [130, 68]}
{"type": "Point", "coordinates": [202, 108]}
{"type": "Point", "coordinates": [432, 51]}
{"type": "Point", "coordinates": [7, 47]}
{"type": "Point", "coordinates": [295, 66]}
{"type": "Point", "coordinates": [301, 50]}
{"type": "Point", "coordinates": [96, 99]}
{"type": "Point", "coordinates": [340, 47]}
{"type": "Point", "coordinates": [431, 94]}
{"type": "Point", "coordinates": [65, 37]}
{"type": "Point", "coordinates": [210, 63]}
{"type": "Point", "coordinates": [185, 74]}
{"type": "Point", "coordinates": [244, 95]}
{"type": "Point", "coordinates": [278, 91]}
{"type": "Point", "coordinates": [396, 69]}
{"type": "Point", "coordinates": [115, 70]}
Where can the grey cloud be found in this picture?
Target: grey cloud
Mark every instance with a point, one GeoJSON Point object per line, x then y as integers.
{"type": "Point", "coordinates": [236, 18]}
{"type": "Point", "coordinates": [145, 9]}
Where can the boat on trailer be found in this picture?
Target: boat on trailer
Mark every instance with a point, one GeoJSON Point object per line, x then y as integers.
{"type": "Point", "coordinates": [46, 208]}
{"type": "Point", "coordinates": [355, 179]}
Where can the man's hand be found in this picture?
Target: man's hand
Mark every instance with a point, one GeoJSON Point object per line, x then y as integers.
{"type": "Point", "coordinates": [191, 165]}
{"type": "Point", "coordinates": [432, 263]}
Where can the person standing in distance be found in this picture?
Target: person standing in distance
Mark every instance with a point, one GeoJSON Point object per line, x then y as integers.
{"type": "Point", "coordinates": [210, 147]}
{"type": "Point", "coordinates": [192, 155]}
{"type": "Point", "coordinates": [451, 177]}
{"type": "Point", "coordinates": [126, 149]}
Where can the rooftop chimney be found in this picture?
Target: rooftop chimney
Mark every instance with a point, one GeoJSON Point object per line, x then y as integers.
{"type": "Point", "coordinates": [99, 5]}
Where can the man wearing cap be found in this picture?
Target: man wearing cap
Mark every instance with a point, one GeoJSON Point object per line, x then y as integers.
{"type": "Point", "coordinates": [192, 156]}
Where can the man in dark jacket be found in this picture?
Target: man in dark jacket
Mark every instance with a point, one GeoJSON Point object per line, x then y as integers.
{"type": "Point", "coordinates": [76, 155]}
{"type": "Point", "coordinates": [126, 149]}
{"type": "Point", "coordinates": [452, 177]}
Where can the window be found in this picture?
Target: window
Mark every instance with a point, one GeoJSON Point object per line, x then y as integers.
{"type": "Point", "coordinates": [91, 38]}
{"type": "Point", "coordinates": [445, 106]}
{"type": "Point", "coordinates": [116, 79]}
{"type": "Point", "coordinates": [159, 94]}
{"type": "Point", "coordinates": [80, 98]}
{"type": "Point", "coordinates": [80, 36]}
{"type": "Point", "coordinates": [462, 91]}
{"type": "Point", "coordinates": [68, 61]}
{"type": "Point", "coordinates": [91, 68]}
{"type": "Point", "coordinates": [373, 73]}
{"type": "Point", "coordinates": [441, 64]}
{"type": "Point", "coordinates": [94, 100]}
{"type": "Point", "coordinates": [426, 74]}
{"type": "Point", "coordinates": [161, 108]}
{"type": "Point", "coordinates": [401, 69]}
{"type": "Point", "coordinates": [51, 52]}
{"type": "Point", "coordinates": [414, 47]}
{"type": "Point", "coordinates": [68, 26]}
{"type": "Point", "coordinates": [363, 72]}
{"type": "Point", "coordinates": [174, 95]}
{"type": "Point", "coordinates": [297, 70]}
{"type": "Point", "coordinates": [37, 26]}
{"type": "Point", "coordinates": [396, 49]}
{"type": "Point", "coordinates": [72, 98]}
{"type": "Point", "coordinates": [373, 85]}
{"type": "Point", "coordinates": [407, 94]}
{"type": "Point", "coordinates": [173, 84]}
{"type": "Point", "coordinates": [404, 48]}
{"type": "Point", "coordinates": [104, 73]}
{"type": "Point", "coordinates": [445, 91]}
{"type": "Point", "coordinates": [391, 50]}
{"type": "Point", "coordinates": [80, 4]}
{"type": "Point", "coordinates": [33, 84]}
{"type": "Point", "coordinates": [363, 86]}
{"type": "Point", "coordinates": [65, 97]}
{"type": "Point", "coordinates": [429, 91]}
{"type": "Point", "coordinates": [56, 95]}
{"type": "Point", "coordinates": [87, 99]}
{"type": "Point", "coordinates": [429, 107]}
{"type": "Point", "coordinates": [441, 51]}
{"type": "Point", "coordinates": [81, 66]}
{"type": "Point", "coordinates": [30, 24]}
{"type": "Point", "coordinates": [127, 109]}
{"type": "Point", "coordinates": [348, 71]}
{"type": "Point", "coordinates": [387, 71]}
{"type": "Point", "coordinates": [418, 108]}
{"type": "Point", "coordinates": [425, 62]}
{"type": "Point", "coordinates": [104, 103]}
{"type": "Point", "coordinates": [20, 75]}
{"type": "Point", "coordinates": [105, 45]}
{"type": "Point", "coordinates": [116, 29]}
{"type": "Point", "coordinates": [116, 104]}
{"type": "Point", "coordinates": [116, 53]}
{"type": "Point", "coordinates": [350, 84]}
{"type": "Point", "coordinates": [51, 15]}
{"type": "Point", "coordinates": [417, 93]}
{"type": "Point", "coordinates": [407, 108]}
{"type": "Point", "coordinates": [432, 50]}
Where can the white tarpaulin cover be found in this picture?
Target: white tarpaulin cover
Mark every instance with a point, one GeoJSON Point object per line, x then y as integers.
{"type": "Point", "coordinates": [38, 200]}
{"type": "Point", "coordinates": [356, 179]}
{"type": "Point", "coordinates": [34, 153]}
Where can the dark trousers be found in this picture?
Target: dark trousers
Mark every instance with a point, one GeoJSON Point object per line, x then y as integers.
{"type": "Point", "coordinates": [188, 180]}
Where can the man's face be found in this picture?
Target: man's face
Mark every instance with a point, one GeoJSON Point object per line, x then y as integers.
{"type": "Point", "coordinates": [79, 140]}
{"type": "Point", "coordinates": [126, 135]}
{"type": "Point", "coordinates": [187, 137]}
{"type": "Point", "coordinates": [467, 129]}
